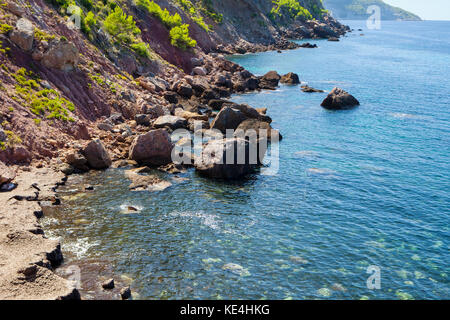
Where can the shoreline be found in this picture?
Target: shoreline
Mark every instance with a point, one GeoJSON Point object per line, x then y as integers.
{"type": "Point", "coordinates": [35, 276]}
{"type": "Point", "coordinates": [29, 259]}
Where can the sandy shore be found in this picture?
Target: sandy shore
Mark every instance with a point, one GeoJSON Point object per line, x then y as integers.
{"type": "Point", "coordinates": [27, 257]}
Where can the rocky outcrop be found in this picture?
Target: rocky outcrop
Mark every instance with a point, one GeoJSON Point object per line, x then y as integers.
{"type": "Point", "coordinates": [261, 128]}
{"type": "Point", "coordinates": [96, 155]}
{"type": "Point", "coordinates": [270, 80]}
{"type": "Point", "coordinates": [339, 99]}
{"type": "Point", "coordinates": [23, 34]}
{"type": "Point", "coordinates": [290, 78]}
{"type": "Point", "coordinates": [153, 148]}
{"type": "Point", "coordinates": [228, 118]}
{"type": "Point", "coordinates": [62, 55]}
{"type": "Point", "coordinates": [229, 159]}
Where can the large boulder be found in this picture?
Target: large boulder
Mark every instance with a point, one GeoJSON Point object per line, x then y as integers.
{"type": "Point", "coordinates": [6, 174]}
{"type": "Point", "coordinates": [62, 55]}
{"type": "Point", "coordinates": [172, 122]}
{"type": "Point", "coordinates": [228, 118]}
{"type": "Point", "coordinates": [290, 78]}
{"type": "Point", "coordinates": [23, 34]}
{"type": "Point", "coordinates": [243, 157]}
{"type": "Point", "coordinates": [153, 148]}
{"type": "Point", "coordinates": [270, 80]}
{"type": "Point", "coordinates": [323, 30]}
{"type": "Point", "coordinates": [339, 99]}
{"type": "Point", "coordinates": [96, 155]}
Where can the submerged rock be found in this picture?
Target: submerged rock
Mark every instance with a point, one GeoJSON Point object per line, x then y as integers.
{"type": "Point", "coordinates": [339, 99]}
{"type": "Point", "coordinates": [153, 148]}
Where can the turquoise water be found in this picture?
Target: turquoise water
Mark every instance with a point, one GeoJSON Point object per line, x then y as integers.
{"type": "Point", "coordinates": [356, 188]}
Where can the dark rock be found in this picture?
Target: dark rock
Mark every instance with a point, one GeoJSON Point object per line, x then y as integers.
{"type": "Point", "coordinates": [308, 45]}
{"type": "Point", "coordinates": [108, 284]}
{"type": "Point", "coordinates": [97, 156]}
{"type": "Point", "coordinates": [171, 97]}
{"type": "Point", "coordinates": [116, 118]}
{"type": "Point", "coordinates": [290, 78]}
{"type": "Point", "coordinates": [185, 90]}
{"type": "Point", "coordinates": [143, 119]}
{"type": "Point", "coordinates": [310, 90]}
{"type": "Point", "coordinates": [334, 39]}
{"type": "Point", "coordinates": [228, 118]}
{"type": "Point", "coordinates": [152, 148]}
{"type": "Point", "coordinates": [217, 104]}
{"type": "Point", "coordinates": [339, 99]}
{"type": "Point", "coordinates": [270, 80]}
{"type": "Point", "coordinates": [125, 293]}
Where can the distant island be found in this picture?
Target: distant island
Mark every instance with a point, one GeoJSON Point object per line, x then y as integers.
{"type": "Point", "coordinates": [357, 10]}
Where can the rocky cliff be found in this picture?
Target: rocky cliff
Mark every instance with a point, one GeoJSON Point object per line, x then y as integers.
{"type": "Point", "coordinates": [356, 10]}
{"type": "Point", "coordinates": [65, 64]}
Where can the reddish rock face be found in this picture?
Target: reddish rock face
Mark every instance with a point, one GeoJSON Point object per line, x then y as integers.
{"type": "Point", "coordinates": [153, 148]}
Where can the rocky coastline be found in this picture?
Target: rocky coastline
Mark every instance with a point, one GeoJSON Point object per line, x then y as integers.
{"type": "Point", "coordinates": [124, 111]}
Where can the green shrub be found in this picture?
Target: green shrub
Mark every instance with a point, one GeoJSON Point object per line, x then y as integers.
{"type": "Point", "coordinates": [292, 8]}
{"type": "Point", "coordinates": [120, 26]}
{"type": "Point", "coordinates": [141, 49]}
{"type": "Point", "coordinates": [179, 32]}
{"type": "Point", "coordinates": [180, 37]}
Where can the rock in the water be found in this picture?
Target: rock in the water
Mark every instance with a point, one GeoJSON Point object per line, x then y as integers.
{"type": "Point", "coordinates": [108, 284]}
{"type": "Point", "coordinates": [228, 118]}
{"type": "Point", "coordinates": [290, 78]}
{"type": "Point", "coordinates": [23, 34]}
{"type": "Point", "coordinates": [333, 39]}
{"type": "Point", "coordinates": [6, 174]}
{"type": "Point", "coordinates": [62, 55]}
{"type": "Point", "coordinates": [125, 293]}
{"type": "Point", "coordinates": [153, 148]}
{"type": "Point", "coordinates": [244, 158]}
{"type": "Point", "coordinates": [308, 89]}
{"type": "Point", "coordinates": [96, 155]}
{"type": "Point", "coordinates": [172, 122]}
{"type": "Point", "coordinates": [339, 99]}
{"type": "Point", "coordinates": [308, 45]}
{"type": "Point", "coordinates": [270, 80]}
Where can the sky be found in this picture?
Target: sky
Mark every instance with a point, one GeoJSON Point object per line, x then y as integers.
{"type": "Point", "coordinates": [427, 10]}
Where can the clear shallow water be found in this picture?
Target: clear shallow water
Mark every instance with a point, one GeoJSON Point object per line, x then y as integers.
{"type": "Point", "coordinates": [362, 187]}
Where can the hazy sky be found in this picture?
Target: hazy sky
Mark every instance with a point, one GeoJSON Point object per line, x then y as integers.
{"type": "Point", "coordinates": [427, 10]}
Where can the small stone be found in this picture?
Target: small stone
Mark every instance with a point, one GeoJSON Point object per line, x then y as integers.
{"type": "Point", "coordinates": [125, 293]}
{"type": "Point", "coordinates": [108, 284]}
